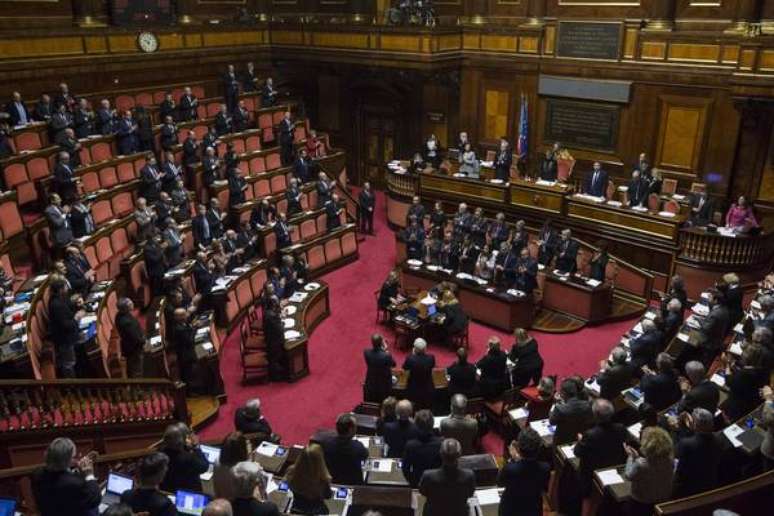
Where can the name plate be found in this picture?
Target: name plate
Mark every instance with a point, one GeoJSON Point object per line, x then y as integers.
{"type": "Point", "coordinates": [589, 40]}
{"type": "Point", "coordinates": [582, 124]}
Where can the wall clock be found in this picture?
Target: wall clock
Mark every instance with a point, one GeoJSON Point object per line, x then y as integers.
{"type": "Point", "coordinates": [148, 42]}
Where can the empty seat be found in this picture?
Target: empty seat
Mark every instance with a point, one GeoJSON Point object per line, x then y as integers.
{"type": "Point", "coordinates": [144, 99]}
{"type": "Point", "coordinates": [213, 108]}
{"type": "Point", "coordinates": [27, 140]}
{"type": "Point", "coordinates": [257, 165]}
{"type": "Point", "coordinates": [269, 243]}
{"type": "Point", "coordinates": [37, 168]}
{"type": "Point", "coordinates": [159, 96]}
{"type": "Point", "coordinates": [277, 116]}
{"type": "Point", "coordinates": [90, 181]}
{"type": "Point", "coordinates": [244, 294]}
{"type": "Point", "coordinates": [348, 244]}
{"type": "Point", "coordinates": [308, 229]}
{"type": "Point", "coordinates": [239, 145]}
{"type": "Point", "coordinates": [257, 281]}
{"type": "Point", "coordinates": [252, 143]}
{"type": "Point", "coordinates": [101, 151]}
{"type": "Point", "coordinates": [108, 178]}
{"type": "Point", "coordinates": [315, 257]}
{"type": "Point", "coordinates": [125, 171]}
{"type": "Point", "coordinates": [11, 223]}
{"type": "Point", "coordinates": [264, 121]}
{"type": "Point", "coordinates": [15, 174]}
{"type": "Point", "coordinates": [273, 161]}
{"type": "Point", "coordinates": [332, 250]}
{"type": "Point", "coordinates": [101, 211]}
{"type": "Point", "coordinates": [261, 188]}
{"type": "Point", "coordinates": [198, 91]}
{"type": "Point", "coordinates": [123, 204]}
{"type": "Point", "coordinates": [124, 102]}
{"type": "Point", "coordinates": [278, 184]}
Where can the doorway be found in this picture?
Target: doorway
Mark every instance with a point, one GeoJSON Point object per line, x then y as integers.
{"type": "Point", "coordinates": [377, 145]}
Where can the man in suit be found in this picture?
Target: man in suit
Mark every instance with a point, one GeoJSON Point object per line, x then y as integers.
{"type": "Point", "coordinates": [60, 490]}
{"type": "Point", "coordinates": [673, 318]}
{"type": "Point", "coordinates": [448, 488]}
{"type": "Point", "coordinates": [146, 497]}
{"type": "Point", "coordinates": [71, 145]}
{"type": "Point", "coordinates": [638, 190]}
{"type": "Point", "coordinates": [63, 327]}
{"type": "Point", "coordinates": [106, 118]}
{"type": "Point", "coordinates": [702, 209]}
{"type": "Point", "coordinates": [367, 202]}
{"type": "Point", "coordinates": [526, 272]}
{"type": "Point", "coordinates": [200, 227]}
{"type": "Point", "coordinates": [643, 348]}
{"type": "Point", "coordinates": [302, 168]}
{"type": "Point", "coordinates": [64, 98]}
{"type": "Point", "coordinates": [43, 109]}
{"type": "Point", "coordinates": [461, 427]}
{"type": "Point", "coordinates": [420, 364]}
{"type": "Point", "coordinates": [616, 375]}
{"type": "Point", "coordinates": [250, 420]}
{"type": "Point", "coordinates": [210, 167]}
{"type": "Point", "coordinates": [596, 183]}
{"type": "Point", "coordinates": [567, 253]}
{"type": "Point", "coordinates": [171, 172]}
{"type": "Point", "coordinates": [126, 135]}
{"type": "Point", "coordinates": [643, 166]}
{"type": "Point", "coordinates": [379, 364]}
{"type": "Point", "coordinates": [698, 391]}
{"type": "Point", "coordinates": [186, 460]}
{"type": "Point", "coordinates": [189, 105]}
{"type": "Point", "coordinates": [168, 138]}
{"type": "Point", "coordinates": [287, 129]}
{"type": "Point", "coordinates": [132, 338]}
{"type": "Point", "coordinates": [168, 108]}
{"type": "Point", "coordinates": [17, 111]}
{"type": "Point", "coordinates": [494, 370]}
{"type": "Point", "coordinates": [150, 180]}
{"type": "Point", "coordinates": [505, 266]}
{"type": "Point", "coordinates": [215, 217]}
{"type": "Point", "coordinates": [503, 161]}
{"type": "Point", "coordinates": [223, 121]}
{"type": "Point", "coordinates": [547, 243]}
{"type": "Point", "coordinates": [661, 390]}
{"type": "Point", "coordinates": [324, 187]}
{"type": "Point", "coordinates": [203, 274]}
{"type": "Point", "coordinates": [282, 232]}
{"type": "Point", "coordinates": [416, 211]}
{"type": "Point", "coordinates": [767, 312]}
{"type": "Point", "coordinates": [191, 150]}
{"type": "Point", "coordinates": [155, 265]}
{"type": "Point", "coordinates": [83, 119]}
{"type": "Point", "coordinates": [274, 332]}
{"type": "Point", "coordinates": [58, 218]}
{"type": "Point", "coordinates": [548, 167]}
{"type": "Point", "coordinates": [524, 477]}
{"type": "Point", "coordinates": [79, 274]}
{"type": "Point", "coordinates": [713, 329]}
{"type": "Point", "coordinates": [414, 236]}
{"type": "Point", "coordinates": [182, 338]}
{"type": "Point", "coordinates": [231, 88]}
{"type": "Point", "coordinates": [293, 196]}
{"type": "Point", "coordinates": [249, 79]}
{"type": "Point", "coordinates": [268, 93]}
{"type": "Point", "coordinates": [698, 456]}
{"type": "Point", "coordinates": [397, 433]}
{"type": "Point", "coordinates": [498, 231]}
{"type": "Point", "coordinates": [240, 117]}
{"type": "Point", "coordinates": [570, 414]}
{"type": "Point", "coordinates": [423, 451]}
{"type": "Point", "coordinates": [344, 454]}
{"type": "Point", "coordinates": [601, 446]}
{"type": "Point", "coordinates": [333, 211]}
{"type": "Point", "coordinates": [60, 120]}
{"type": "Point", "coordinates": [64, 182]}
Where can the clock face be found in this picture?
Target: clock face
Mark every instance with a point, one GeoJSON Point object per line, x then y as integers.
{"type": "Point", "coordinates": [148, 42]}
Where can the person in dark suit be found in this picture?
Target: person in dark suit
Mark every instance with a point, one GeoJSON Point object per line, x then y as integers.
{"type": "Point", "coordinates": [379, 363]}
{"type": "Point", "coordinates": [223, 121]}
{"type": "Point", "coordinates": [459, 425]}
{"type": "Point", "coordinates": [58, 218]}
{"type": "Point", "coordinates": [570, 414]}
{"type": "Point", "coordinates": [215, 217]}
{"type": "Point", "coordinates": [423, 451]}
{"type": "Point", "coordinates": [416, 211]}
{"type": "Point", "coordinates": [455, 320]}
{"type": "Point", "coordinates": [287, 129]}
{"type": "Point", "coordinates": [282, 232]}
{"type": "Point", "coordinates": [186, 460]}
{"type": "Point", "coordinates": [744, 381]}
{"type": "Point", "coordinates": [200, 227]}
{"type": "Point", "coordinates": [7, 147]}
{"type": "Point", "coordinates": [236, 187]}
{"type": "Point", "coordinates": [638, 190]}
{"type": "Point", "coordinates": [596, 182]}
{"type": "Point", "coordinates": [146, 140]}
{"type": "Point", "coordinates": [64, 98]}
{"type": "Point", "coordinates": [210, 167]}
{"type": "Point", "coordinates": [601, 445]}
{"type": "Point", "coordinates": [702, 209]}
{"type": "Point", "coordinates": [567, 253]}
{"type": "Point", "coordinates": [83, 119]}
{"type": "Point", "coordinates": [599, 261]}
{"type": "Point", "coordinates": [60, 120]}
{"type": "Point", "coordinates": [168, 134]}
{"type": "Point", "coordinates": [302, 172]}
{"type": "Point", "coordinates": [419, 364]}
{"type": "Point", "coordinates": [231, 88]}
{"type": "Point", "coordinates": [191, 150]}
{"type": "Point", "coordinates": [324, 188]}
{"type": "Point", "coordinates": [189, 105]}
{"type": "Point", "coordinates": [155, 265]}
{"type": "Point", "coordinates": [698, 456]}
{"type": "Point", "coordinates": [713, 329]}
{"type": "Point", "coordinates": [367, 203]}
{"type": "Point", "coordinates": [79, 274]}
{"type": "Point", "coordinates": [126, 135]}
{"type": "Point", "coordinates": [249, 488]}
{"type": "Point", "coordinates": [249, 79]}
{"type": "Point", "coordinates": [62, 491]}
{"type": "Point", "coordinates": [548, 167]}
{"type": "Point", "coordinates": [170, 173]}
{"type": "Point", "coordinates": [448, 488]}
{"type": "Point", "coordinates": [548, 241]}
{"type": "Point", "coordinates": [106, 118]}
{"type": "Point", "coordinates": [203, 274]}
{"type": "Point", "coordinates": [63, 325]}
{"type": "Point", "coordinates": [400, 429]}
{"type": "Point", "coordinates": [463, 377]}
{"type": "Point", "coordinates": [414, 236]}
{"type": "Point", "coordinates": [18, 113]}
{"type": "Point", "coordinates": [524, 477]}
{"type": "Point", "coordinates": [503, 161]}
{"type": "Point", "coordinates": [146, 497]}
{"type": "Point", "coordinates": [344, 454]}
{"type": "Point", "coordinates": [168, 108]}
{"type": "Point", "coordinates": [526, 272]}
{"type": "Point", "coordinates": [43, 109]}
{"type": "Point", "coordinates": [240, 118]}
{"type": "Point", "coordinates": [65, 183]}
{"type": "Point", "coordinates": [70, 144]}
{"type": "Point", "coordinates": [498, 231]}
{"type": "Point", "coordinates": [673, 319]}
{"type": "Point", "coordinates": [132, 338]}
{"type": "Point", "coordinates": [389, 291]}
{"type": "Point", "coordinates": [698, 391]}
{"type": "Point", "coordinates": [662, 389]}
{"type": "Point", "coordinates": [644, 348]}
{"type": "Point", "coordinates": [494, 370]}
{"type": "Point", "coordinates": [333, 211]}
{"type": "Point", "coordinates": [528, 364]}
{"type": "Point", "coordinates": [293, 196]}
{"type": "Point", "coordinates": [734, 294]}
{"type": "Point", "coordinates": [274, 332]}
{"type": "Point", "coordinates": [150, 180]}
{"type": "Point", "coordinates": [268, 93]}
{"type": "Point", "coordinates": [250, 420]}
{"type": "Point", "coordinates": [616, 375]}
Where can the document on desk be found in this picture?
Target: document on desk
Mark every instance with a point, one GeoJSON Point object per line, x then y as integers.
{"type": "Point", "coordinates": [568, 451]}
{"type": "Point", "coordinates": [365, 441]}
{"type": "Point", "coordinates": [267, 449]}
{"type": "Point", "coordinates": [610, 477]}
{"type": "Point", "coordinates": [684, 337]}
{"type": "Point", "coordinates": [437, 422]}
{"type": "Point", "coordinates": [488, 496]}
{"type": "Point", "coordinates": [542, 427]}
{"type": "Point", "coordinates": [732, 432]}
{"type": "Point", "coordinates": [519, 413]}
{"type": "Point", "coordinates": [382, 465]}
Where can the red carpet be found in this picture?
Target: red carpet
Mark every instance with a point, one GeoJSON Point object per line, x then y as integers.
{"type": "Point", "coordinates": [296, 410]}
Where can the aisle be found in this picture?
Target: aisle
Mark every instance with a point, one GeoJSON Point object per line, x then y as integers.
{"type": "Point", "coordinates": [296, 410]}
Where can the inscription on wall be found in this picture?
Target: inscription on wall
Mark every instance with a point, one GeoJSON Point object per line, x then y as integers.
{"type": "Point", "coordinates": [582, 124]}
{"type": "Point", "coordinates": [589, 40]}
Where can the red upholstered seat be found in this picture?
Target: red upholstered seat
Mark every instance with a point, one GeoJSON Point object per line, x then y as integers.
{"type": "Point", "coordinates": [278, 184]}
{"type": "Point", "coordinates": [213, 108]}
{"type": "Point", "coordinates": [144, 99]}
{"type": "Point", "coordinates": [104, 249]}
{"type": "Point", "coordinates": [321, 221]}
{"type": "Point", "coordinates": [199, 131]}
{"type": "Point", "coordinates": [90, 181]}
{"type": "Point", "coordinates": [10, 221]}
{"type": "Point", "coordinates": [270, 243]}
{"type": "Point", "coordinates": [244, 293]}
{"type": "Point", "coordinates": [244, 168]}
{"type": "Point", "coordinates": [308, 229]}
{"type": "Point", "coordinates": [348, 244]}
{"type": "Point", "coordinates": [119, 241]}
{"type": "Point", "coordinates": [232, 305]}
{"type": "Point", "coordinates": [101, 151]}
{"type": "Point", "coordinates": [26, 193]}
{"type": "Point", "coordinates": [299, 134]}
{"type": "Point", "coordinates": [27, 140]}
{"type": "Point", "coordinates": [257, 165]}
{"type": "Point", "coordinates": [159, 96]}
{"type": "Point", "coordinates": [201, 112]}
{"type": "Point", "coordinates": [264, 121]}
{"type": "Point", "coordinates": [294, 234]}
{"type": "Point", "coordinates": [138, 281]}
{"type": "Point", "coordinates": [37, 168]}
{"type": "Point", "coordinates": [239, 146]}
{"type": "Point", "coordinates": [332, 250]}
{"type": "Point", "coordinates": [277, 116]}
{"type": "Point", "coordinates": [315, 257]}
{"type": "Point", "coordinates": [267, 134]}
{"type": "Point", "coordinates": [198, 91]}
{"type": "Point", "coordinates": [102, 211]}
{"type": "Point", "coordinates": [273, 161]}
{"type": "Point", "coordinates": [124, 102]}
{"type": "Point", "coordinates": [261, 188]}
{"type": "Point", "coordinates": [91, 255]}
{"type": "Point", "coordinates": [126, 171]}
{"type": "Point", "coordinates": [108, 177]}
{"type": "Point", "coordinates": [257, 281]}
{"type": "Point", "coordinates": [252, 143]}
{"type": "Point", "coordinates": [85, 156]}
{"type": "Point", "coordinates": [15, 174]}
{"type": "Point", "coordinates": [282, 205]}
{"type": "Point", "coordinates": [312, 198]}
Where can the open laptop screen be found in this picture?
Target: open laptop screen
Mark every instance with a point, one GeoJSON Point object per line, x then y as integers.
{"type": "Point", "coordinates": [190, 503]}
{"type": "Point", "coordinates": [7, 507]}
{"type": "Point", "coordinates": [117, 484]}
{"type": "Point", "coordinates": [212, 453]}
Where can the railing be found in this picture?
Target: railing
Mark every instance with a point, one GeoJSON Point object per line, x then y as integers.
{"type": "Point", "coordinates": [699, 245]}
{"type": "Point", "coordinates": [404, 185]}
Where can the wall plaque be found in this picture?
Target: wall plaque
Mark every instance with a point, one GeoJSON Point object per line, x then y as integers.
{"type": "Point", "coordinates": [589, 40]}
{"type": "Point", "coordinates": [585, 125]}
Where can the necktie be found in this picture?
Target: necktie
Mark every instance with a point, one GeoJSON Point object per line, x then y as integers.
{"type": "Point", "coordinates": [22, 113]}
{"type": "Point", "coordinates": [206, 228]}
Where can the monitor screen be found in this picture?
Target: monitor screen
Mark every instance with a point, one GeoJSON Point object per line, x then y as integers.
{"type": "Point", "coordinates": [190, 503]}
{"type": "Point", "coordinates": [212, 453]}
{"type": "Point", "coordinates": [7, 507]}
{"type": "Point", "coordinates": [431, 310]}
{"type": "Point", "coordinates": [117, 484]}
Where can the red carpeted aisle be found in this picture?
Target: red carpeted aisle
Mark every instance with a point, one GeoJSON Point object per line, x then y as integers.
{"type": "Point", "coordinates": [335, 351]}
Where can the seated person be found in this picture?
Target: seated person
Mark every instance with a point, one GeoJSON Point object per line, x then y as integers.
{"type": "Point", "coordinates": [455, 320]}
{"type": "Point", "coordinates": [250, 491]}
{"type": "Point", "coordinates": [186, 460]}
{"type": "Point", "coordinates": [310, 482]}
{"type": "Point", "coordinates": [616, 375]}
{"type": "Point", "coordinates": [414, 236]}
{"type": "Point", "coordinates": [494, 370]}
{"type": "Point", "coordinates": [250, 420]}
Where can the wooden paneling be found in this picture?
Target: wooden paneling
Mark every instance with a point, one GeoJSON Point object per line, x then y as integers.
{"type": "Point", "coordinates": [407, 43]}
{"type": "Point", "coordinates": [499, 43]}
{"type": "Point", "coordinates": [653, 50]}
{"type": "Point", "coordinates": [694, 52]}
{"type": "Point", "coordinates": [39, 47]}
{"type": "Point", "coordinates": [496, 109]}
{"type": "Point", "coordinates": [345, 40]}
{"type": "Point", "coordinates": [681, 133]}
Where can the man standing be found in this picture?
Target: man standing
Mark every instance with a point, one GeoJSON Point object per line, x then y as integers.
{"type": "Point", "coordinates": [60, 490]}
{"type": "Point", "coordinates": [344, 454]}
{"type": "Point", "coordinates": [379, 363]}
{"type": "Point", "coordinates": [231, 88]}
{"type": "Point", "coordinates": [638, 190]}
{"type": "Point", "coordinates": [367, 201]}
{"type": "Point", "coordinates": [459, 426]}
{"type": "Point", "coordinates": [503, 161]}
{"type": "Point", "coordinates": [423, 452]}
{"type": "Point", "coordinates": [526, 272]}
{"type": "Point", "coordinates": [249, 79]}
{"type": "Point", "coordinates": [567, 253]}
{"type": "Point", "coordinates": [287, 132]}
{"type": "Point", "coordinates": [58, 218]}
{"type": "Point", "coordinates": [596, 184]}
{"type": "Point", "coordinates": [419, 364]}
{"type": "Point", "coordinates": [188, 106]}
{"type": "Point", "coordinates": [17, 111]}
{"type": "Point", "coordinates": [448, 488]}
{"type": "Point", "coordinates": [132, 338]}
{"type": "Point", "coordinates": [65, 183]}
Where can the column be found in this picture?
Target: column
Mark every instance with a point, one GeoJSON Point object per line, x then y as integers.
{"type": "Point", "coordinates": [746, 11]}
{"type": "Point", "coordinates": [89, 13]}
{"type": "Point", "coordinates": [661, 16]}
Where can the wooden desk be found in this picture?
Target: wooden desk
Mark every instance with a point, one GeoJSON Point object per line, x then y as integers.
{"type": "Point", "coordinates": [463, 188]}
{"type": "Point", "coordinates": [394, 477]}
{"type": "Point", "coordinates": [546, 199]}
{"type": "Point", "coordinates": [576, 298]}
{"type": "Point", "coordinates": [626, 219]}
{"type": "Point", "coordinates": [496, 309]}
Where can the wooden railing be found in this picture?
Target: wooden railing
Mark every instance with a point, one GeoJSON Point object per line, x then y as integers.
{"type": "Point", "coordinates": [699, 245]}
{"type": "Point", "coordinates": [404, 185]}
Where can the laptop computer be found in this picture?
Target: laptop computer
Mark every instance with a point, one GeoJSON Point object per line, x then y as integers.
{"type": "Point", "coordinates": [116, 485]}
{"type": "Point", "coordinates": [7, 506]}
{"type": "Point", "coordinates": [212, 453]}
{"type": "Point", "coordinates": [188, 502]}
